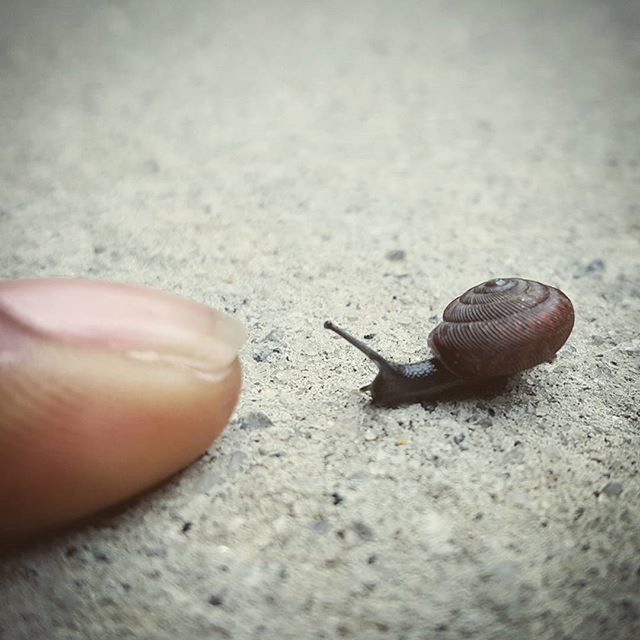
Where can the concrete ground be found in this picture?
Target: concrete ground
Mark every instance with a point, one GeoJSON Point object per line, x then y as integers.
{"type": "Point", "coordinates": [292, 161]}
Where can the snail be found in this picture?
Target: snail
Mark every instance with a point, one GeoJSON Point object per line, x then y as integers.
{"type": "Point", "coordinates": [493, 330]}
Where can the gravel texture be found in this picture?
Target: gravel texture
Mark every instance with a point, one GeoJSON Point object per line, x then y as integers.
{"type": "Point", "coordinates": [292, 161]}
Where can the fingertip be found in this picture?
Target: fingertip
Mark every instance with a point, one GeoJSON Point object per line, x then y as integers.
{"type": "Point", "coordinates": [83, 427]}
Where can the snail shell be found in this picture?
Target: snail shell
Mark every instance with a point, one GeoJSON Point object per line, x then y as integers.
{"type": "Point", "coordinates": [501, 327]}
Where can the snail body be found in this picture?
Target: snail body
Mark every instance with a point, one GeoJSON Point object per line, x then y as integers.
{"type": "Point", "coordinates": [491, 331]}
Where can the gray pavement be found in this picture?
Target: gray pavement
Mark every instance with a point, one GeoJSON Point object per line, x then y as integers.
{"type": "Point", "coordinates": [265, 158]}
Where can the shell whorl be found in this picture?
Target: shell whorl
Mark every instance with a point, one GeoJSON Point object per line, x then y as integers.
{"type": "Point", "coordinates": [501, 327]}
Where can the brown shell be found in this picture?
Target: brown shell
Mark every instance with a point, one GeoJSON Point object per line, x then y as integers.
{"type": "Point", "coordinates": [501, 327]}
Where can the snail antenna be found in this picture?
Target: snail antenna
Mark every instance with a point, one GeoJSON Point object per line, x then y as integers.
{"type": "Point", "coordinates": [382, 362]}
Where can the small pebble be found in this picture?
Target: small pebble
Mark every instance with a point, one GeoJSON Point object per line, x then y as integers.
{"type": "Point", "coordinates": [612, 489]}
{"type": "Point", "coordinates": [363, 531]}
{"type": "Point", "coordinates": [255, 420]}
{"type": "Point", "coordinates": [595, 267]}
{"type": "Point", "coordinates": [264, 354]}
{"type": "Point", "coordinates": [238, 461]}
{"type": "Point", "coordinates": [101, 556]}
{"type": "Point", "coordinates": [156, 551]}
{"type": "Point", "coordinates": [396, 255]}
{"type": "Point", "coordinates": [216, 600]}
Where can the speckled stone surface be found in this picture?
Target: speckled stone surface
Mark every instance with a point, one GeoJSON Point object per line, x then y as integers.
{"type": "Point", "coordinates": [292, 161]}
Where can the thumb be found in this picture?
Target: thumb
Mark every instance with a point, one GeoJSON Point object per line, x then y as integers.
{"type": "Point", "coordinates": [105, 389]}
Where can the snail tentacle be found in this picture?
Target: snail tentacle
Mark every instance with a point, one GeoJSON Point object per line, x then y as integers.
{"type": "Point", "coordinates": [398, 384]}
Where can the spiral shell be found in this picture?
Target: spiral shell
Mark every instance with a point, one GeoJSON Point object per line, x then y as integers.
{"type": "Point", "coordinates": [501, 327]}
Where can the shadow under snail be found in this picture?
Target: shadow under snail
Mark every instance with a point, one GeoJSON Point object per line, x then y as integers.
{"type": "Point", "coordinates": [491, 331]}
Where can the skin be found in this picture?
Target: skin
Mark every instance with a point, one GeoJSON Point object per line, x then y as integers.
{"type": "Point", "coordinates": [84, 425]}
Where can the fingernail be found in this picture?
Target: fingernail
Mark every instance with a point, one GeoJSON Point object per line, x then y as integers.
{"type": "Point", "coordinates": [142, 323]}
